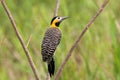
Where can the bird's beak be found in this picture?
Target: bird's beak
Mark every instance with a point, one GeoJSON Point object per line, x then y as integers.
{"type": "Point", "coordinates": [63, 18]}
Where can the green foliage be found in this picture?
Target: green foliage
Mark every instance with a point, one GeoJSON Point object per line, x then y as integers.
{"type": "Point", "coordinates": [97, 56]}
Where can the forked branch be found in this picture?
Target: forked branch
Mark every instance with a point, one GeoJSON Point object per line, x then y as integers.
{"type": "Point", "coordinates": [20, 39]}
{"type": "Point", "coordinates": [79, 38]}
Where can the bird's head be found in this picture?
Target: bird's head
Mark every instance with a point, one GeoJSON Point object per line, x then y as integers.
{"type": "Point", "coordinates": [55, 22]}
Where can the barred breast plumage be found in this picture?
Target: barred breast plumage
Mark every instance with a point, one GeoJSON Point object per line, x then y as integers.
{"type": "Point", "coordinates": [50, 42]}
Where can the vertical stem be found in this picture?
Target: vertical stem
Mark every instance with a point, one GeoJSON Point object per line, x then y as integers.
{"type": "Point", "coordinates": [79, 39]}
{"type": "Point", "coordinates": [20, 39]}
{"type": "Point", "coordinates": [57, 7]}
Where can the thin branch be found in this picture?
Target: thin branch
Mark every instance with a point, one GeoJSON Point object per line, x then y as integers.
{"type": "Point", "coordinates": [21, 40]}
{"type": "Point", "coordinates": [48, 76]}
{"type": "Point", "coordinates": [55, 14]}
{"type": "Point", "coordinates": [29, 40]}
{"type": "Point", "coordinates": [57, 7]}
{"type": "Point", "coordinates": [78, 40]}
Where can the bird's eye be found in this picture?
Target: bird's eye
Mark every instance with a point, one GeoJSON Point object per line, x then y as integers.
{"type": "Point", "coordinates": [58, 17]}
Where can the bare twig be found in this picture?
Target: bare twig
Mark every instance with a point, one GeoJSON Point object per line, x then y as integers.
{"type": "Point", "coordinates": [57, 7]}
{"type": "Point", "coordinates": [29, 39]}
{"type": "Point", "coordinates": [78, 40]}
{"type": "Point", "coordinates": [55, 14]}
{"type": "Point", "coordinates": [21, 40]}
{"type": "Point", "coordinates": [48, 77]}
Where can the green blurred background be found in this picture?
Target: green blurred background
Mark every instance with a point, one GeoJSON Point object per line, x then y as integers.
{"type": "Point", "coordinates": [97, 56]}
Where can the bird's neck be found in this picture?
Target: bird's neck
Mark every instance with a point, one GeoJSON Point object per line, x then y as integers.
{"type": "Point", "coordinates": [54, 26]}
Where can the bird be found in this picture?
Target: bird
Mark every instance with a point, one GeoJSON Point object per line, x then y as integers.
{"type": "Point", "coordinates": [50, 42]}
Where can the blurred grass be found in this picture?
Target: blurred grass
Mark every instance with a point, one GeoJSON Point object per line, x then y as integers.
{"type": "Point", "coordinates": [97, 57]}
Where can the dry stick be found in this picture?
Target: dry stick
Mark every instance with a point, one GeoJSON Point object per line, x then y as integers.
{"type": "Point", "coordinates": [55, 14]}
{"type": "Point", "coordinates": [21, 40]}
{"type": "Point", "coordinates": [79, 38]}
{"type": "Point", "coordinates": [48, 76]}
{"type": "Point", "coordinates": [57, 7]}
{"type": "Point", "coordinates": [29, 40]}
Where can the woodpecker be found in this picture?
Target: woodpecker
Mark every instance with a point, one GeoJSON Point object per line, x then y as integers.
{"type": "Point", "coordinates": [50, 42]}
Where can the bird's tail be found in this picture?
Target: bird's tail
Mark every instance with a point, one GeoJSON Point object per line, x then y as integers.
{"type": "Point", "coordinates": [51, 67]}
